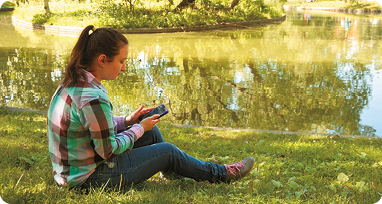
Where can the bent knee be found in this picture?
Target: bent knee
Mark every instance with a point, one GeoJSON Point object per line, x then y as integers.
{"type": "Point", "coordinates": [168, 145]}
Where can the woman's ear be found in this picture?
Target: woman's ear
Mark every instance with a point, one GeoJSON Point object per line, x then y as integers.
{"type": "Point", "coordinates": [101, 60]}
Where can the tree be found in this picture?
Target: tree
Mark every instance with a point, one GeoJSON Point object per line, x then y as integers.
{"type": "Point", "coordinates": [131, 5]}
{"type": "Point", "coordinates": [233, 4]}
{"type": "Point", "coordinates": [46, 7]}
{"type": "Point", "coordinates": [184, 4]}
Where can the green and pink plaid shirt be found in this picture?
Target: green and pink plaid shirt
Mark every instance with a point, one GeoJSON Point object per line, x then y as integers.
{"type": "Point", "coordinates": [83, 133]}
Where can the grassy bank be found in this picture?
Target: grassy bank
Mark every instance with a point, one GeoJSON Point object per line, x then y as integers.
{"type": "Point", "coordinates": [288, 168]}
{"type": "Point", "coordinates": [146, 13]}
{"type": "Point", "coordinates": [337, 4]}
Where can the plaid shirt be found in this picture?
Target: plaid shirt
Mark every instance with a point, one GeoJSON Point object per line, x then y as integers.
{"type": "Point", "coordinates": [83, 133]}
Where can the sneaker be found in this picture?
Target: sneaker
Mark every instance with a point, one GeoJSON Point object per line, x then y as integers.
{"type": "Point", "coordinates": [238, 170]}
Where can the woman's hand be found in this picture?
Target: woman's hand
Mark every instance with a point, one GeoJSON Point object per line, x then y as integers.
{"type": "Point", "coordinates": [133, 118]}
{"type": "Point", "coordinates": [149, 122]}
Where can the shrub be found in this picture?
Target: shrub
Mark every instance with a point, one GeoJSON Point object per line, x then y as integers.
{"type": "Point", "coordinates": [40, 19]}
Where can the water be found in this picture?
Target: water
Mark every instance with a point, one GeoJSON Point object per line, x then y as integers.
{"type": "Point", "coordinates": [315, 72]}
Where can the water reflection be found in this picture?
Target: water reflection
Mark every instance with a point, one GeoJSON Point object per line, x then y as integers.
{"type": "Point", "coordinates": [266, 95]}
{"type": "Point", "coordinates": [270, 78]}
{"type": "Point", "coordinates": [28, 77]}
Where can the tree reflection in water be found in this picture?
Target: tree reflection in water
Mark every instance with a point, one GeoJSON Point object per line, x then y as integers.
{"type": "Point", "coordinates": [259, 95]}
{"type": "Point", "coordinates": [308, 83]}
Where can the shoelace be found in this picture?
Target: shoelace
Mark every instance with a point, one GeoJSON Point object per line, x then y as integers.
{"type": "Point", "coordinates": [231, 167]}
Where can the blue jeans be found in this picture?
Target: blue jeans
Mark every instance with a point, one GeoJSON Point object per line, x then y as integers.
{"type": "Point", "coordinates": [150, 155]}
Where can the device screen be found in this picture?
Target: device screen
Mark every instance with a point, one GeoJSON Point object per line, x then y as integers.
{"type": "Point", "coordinates": [161, 110]}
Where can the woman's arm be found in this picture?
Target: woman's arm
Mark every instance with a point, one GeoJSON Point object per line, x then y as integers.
{"type": "Point", "coordinates": [96, 116]}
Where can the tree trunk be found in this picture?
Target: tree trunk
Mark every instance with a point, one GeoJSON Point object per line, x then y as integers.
{"type": "Point", "coordinates": [184, 4]}
{"type": "Point", "coordinates": [131, 5]}
{"type": "Point", "coordinates": [233, 4]}
{"type": "Point", "coordinates": [46, 7]}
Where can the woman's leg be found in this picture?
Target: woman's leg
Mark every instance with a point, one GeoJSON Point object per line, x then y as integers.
{"type": "Point", "coordinates": [139, 164]}
{"type": "Point", "coordinates": [150, 137]}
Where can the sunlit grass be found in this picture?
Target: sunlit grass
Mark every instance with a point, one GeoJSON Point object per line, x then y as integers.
{"type": "Point", "coordinates": [66, 13]}
{"type": "Point", "coordinates": [146, 14]}
{"type": "Point", "coordinates": [288, 169]}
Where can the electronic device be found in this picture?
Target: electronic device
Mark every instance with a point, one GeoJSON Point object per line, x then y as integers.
{"type": "Point", "coordinates": [161, 110]}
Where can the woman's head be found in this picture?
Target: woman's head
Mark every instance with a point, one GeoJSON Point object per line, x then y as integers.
{"type": "Point", "coordinates": [90, 45]}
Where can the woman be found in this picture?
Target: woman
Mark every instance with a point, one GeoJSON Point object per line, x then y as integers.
{"type": "Point", "coordinates": [89, 146]}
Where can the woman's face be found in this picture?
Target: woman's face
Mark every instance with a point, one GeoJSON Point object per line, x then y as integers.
{"type": "Point", "coordinates": [113, 68]}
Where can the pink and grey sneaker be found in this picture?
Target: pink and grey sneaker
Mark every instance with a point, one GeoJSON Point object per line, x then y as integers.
{"type": "Point", "coordinates": [238, 170]}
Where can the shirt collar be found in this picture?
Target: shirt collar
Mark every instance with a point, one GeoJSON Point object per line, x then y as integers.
{"type": "Point", "coordinates": [94, 81]}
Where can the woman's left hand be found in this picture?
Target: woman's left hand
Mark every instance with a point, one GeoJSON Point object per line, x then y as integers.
{"type": "Point", "coordinates": [133, 118]}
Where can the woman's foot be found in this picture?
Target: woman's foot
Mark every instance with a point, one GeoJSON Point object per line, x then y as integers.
{"type": "Point", "coordinates": [238, 170]}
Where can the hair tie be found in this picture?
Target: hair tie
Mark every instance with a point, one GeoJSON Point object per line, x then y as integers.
{"type": "Point", "coordinates": [92, 30]}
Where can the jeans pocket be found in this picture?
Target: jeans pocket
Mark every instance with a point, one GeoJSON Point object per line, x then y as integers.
{"type": "Point", "coordinates": [107, 172]}
{"type": "Point", "coordinates": [108, 169]}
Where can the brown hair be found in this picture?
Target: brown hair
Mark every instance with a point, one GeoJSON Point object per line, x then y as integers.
{"type": "Point", "coordinates": [90, 44]}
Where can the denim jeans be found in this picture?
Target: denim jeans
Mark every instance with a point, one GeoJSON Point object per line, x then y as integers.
{"type": "Point", "coordinates": [150, 155]}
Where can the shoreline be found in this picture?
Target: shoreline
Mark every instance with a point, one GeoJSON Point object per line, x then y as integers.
{"type": "Point", "coordinates": [75, 31]}
{"type": "Point", "coordinates": [338, 10]}
{"type": "Point", "coordinates": [231, 129]}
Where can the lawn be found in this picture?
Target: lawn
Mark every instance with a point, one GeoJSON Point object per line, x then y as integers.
{"type": "Point", "coordinates": [146, 14]}
{"type": "Point", "coordinates": [295, 168]}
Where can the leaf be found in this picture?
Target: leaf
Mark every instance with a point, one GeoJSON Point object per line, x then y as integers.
{"type": "Point", "coordinates": [309, 169]}
{"type": "Point", "coordinates": [26, 160]}
{"type": "Point", "coordinates": [333, 188]}
{"type": "Point", "coordinates": [342, 178]}
{"type": "Point", "coordinates": [294, 185]}
{"type": "Point", "coordinates": [363, 154]}
{"type": "Point", "coordinates": [291, 179]}
{"type": "Point", "coordinates": [361, 186]}
{"type": "Point", "coordinates": [377, 164]}
{"type": "Point", "coordinates": [276, 183]}
{"type": "Point", "coordinates": [297, 193]}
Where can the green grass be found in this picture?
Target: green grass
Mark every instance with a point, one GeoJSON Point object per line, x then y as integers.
{"type": "Point", "coordinates": [147, 13]}
{"type": "Point", "coordinates": [337, 4]}
{"type": "Point", "coordinates": [288, 168]}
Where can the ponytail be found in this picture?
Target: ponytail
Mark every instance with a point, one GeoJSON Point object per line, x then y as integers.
{"type": "Point", "coordinates": [91, 43]}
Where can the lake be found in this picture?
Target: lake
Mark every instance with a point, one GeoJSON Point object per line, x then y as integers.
{"type": "Point", "coordinates": [315, 72]}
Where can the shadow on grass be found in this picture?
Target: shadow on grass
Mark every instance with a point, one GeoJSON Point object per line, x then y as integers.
{"type": "Point", "coordinates": [288, 168]}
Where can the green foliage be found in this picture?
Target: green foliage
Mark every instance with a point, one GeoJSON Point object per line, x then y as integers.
{"type": "Point", "coordinates": [147, 14]}
{"type": "Point", "coordinates": [41, 19]}
{"type": "Point", "coordinates": [288, 168]}
{"type": "Point", "coordinates": [7, 4]}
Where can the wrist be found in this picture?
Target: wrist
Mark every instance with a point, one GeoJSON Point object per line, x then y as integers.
{"type": "Point", "coordinates": [127, 121]}
{"type": "Point", "coordinates": [142, 127]}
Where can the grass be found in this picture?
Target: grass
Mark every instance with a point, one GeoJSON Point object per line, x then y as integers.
{"type": "Point", "coordinates": [64, 13]}
{"type": "Point", "coordinates": [288, 168]}
{"type": "Point", "coordinates": [147, 13]}
{"type": "Point", "coordinates": [337, 4]}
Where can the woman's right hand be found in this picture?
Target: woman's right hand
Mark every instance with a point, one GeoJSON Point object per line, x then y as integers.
{"type": "Point", "coordinates": [149, 122]}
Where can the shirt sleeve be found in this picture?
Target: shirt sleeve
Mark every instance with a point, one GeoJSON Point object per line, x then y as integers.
{"type": "Point", "coordinates": [120, 120]}
{"type": "Point", "coordinates": [97, 117]}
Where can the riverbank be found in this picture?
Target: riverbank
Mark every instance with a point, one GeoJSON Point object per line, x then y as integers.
{"type": "Point", "coordinates": [147, 17]}
{"type": "Point", "coordinates": [26, 20]}
{"type": "Point", "coordinates": [295, 168]}
{"type": "Point", "coordinates": [75, 31]}
{"type": "Point", "coordinates": [367, 7]}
